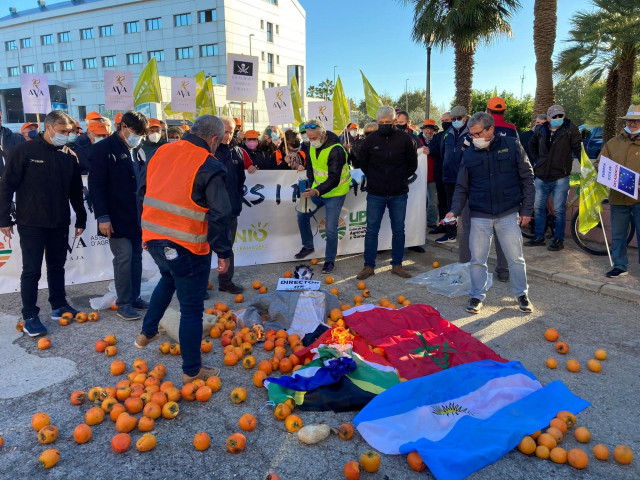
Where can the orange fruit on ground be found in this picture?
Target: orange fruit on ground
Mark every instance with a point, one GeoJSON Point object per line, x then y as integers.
{"type": "Point", "coordinates": [82, 433]}
{"type": "Point", "coordinates": [527, 445]}
{"type": "Point", "coordinates": [203, 394]}
{"type": "Point", "coordinates": [113, 307]}
{"type": "Point", "coordinates": [600, 354]}
{"type": "Point", "coordinates": [357, 299]}
{"type": "Point", "coordinates": [562, 347]}
{"type": "Point", "coordinates": [568, 418]}
{"type": "Point", "coordinates": [547, 440]}
{"type": "Point", "coordinates": [551, 334]}
{"type": "Point", "coordinates": [256, 285]}
{"type": "Point", "coordinates": [285, 365]}
{"type": "Point", "coordinates": [40, 420]}
{"type": "Point", "coordinates": [370, 461]}
{"type": "Point", "coordinates": [559, 424]}
{"type": "Point", "coordinates": [118, 367]}
{"type": "Point", "coordinates": [100, 345]}
{"type": "Point", "coordinates": [401, 299]}
{"type": "Point", "coordinates": [238, 395]}
{"type": "Point", "coordinates": [573, 365]}
{"type": "Point", "coordinates": [435, 264]}
{"type": "Point", "coordinates": [214, 383]}
{"type": "Point", "coordinates": [282, 411]}
{"type": "Point", "coordinates": [239, 298]}
{"type": "Point", "coordinates": [265, 366]}
{"type": "Point", "coordinates": [577, 458]}
{"type": "Point", "coordinates": [44, 343]}
{"type": "Point", "coordinates": [601, 452]}
{"type": "Point", "coordinates": [406, 303]}
{"type": "Point", "coordinates": [236, 442]}
{"type": "Point", "coordinates": [558, 455]}
{"type": "Point", "coordinates": [293, 423]}
{"type": "Point", "coordinates": [247, 422]}
{"type": "Point", "coordinates": [594, 365]}
{"type": "Point", "coordinates": [351, 470]}
{"type": "Point", "coordinates": [49, 458]}
{"type": "Point", "coordinates": [346, 431]}
{"type": "Point", "coordinates": [121, 442]}
{"type": "Point", "coordinates": [582, 435]}
{"type": "Point", "coordinates": [345, 307]}
{"type": "Point", "coordinates": [542, 452]}
{"type": "Point", "coordinates": [259, 377]}
{"type": "Point", "coordinates": [361, 285]}
{"type": "Point", "coordinates": [623, 454]}
{"type": "Point", "coordinates": [536, 434]}
{"type": "Point", "coordinates": [230, 359]}
{"type": "Point", "coordinates": [288, 274]}
{"type": "Point", "coordinates": [334, 291]}
{"type": "Point", "coordinates": [415, 462]}
{"type": "Point", "coordinates": [336, 314]}
{"type": "Point", "coordinates": [201, 441]}
{"type": "Point", "coordinates": [551, 362]}
{"type": "Point", "coordinates": [555, 433]}
{"type": "Point", "coordinates": [263, 289]}
{"type": "Point", "coordinates": [314, 261]}
{"type": "Point", "coordinates": [366, 293]}
{"type": "Point", "coordinates": [329, 279]}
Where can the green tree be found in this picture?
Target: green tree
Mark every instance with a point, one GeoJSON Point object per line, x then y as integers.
{"type": "Point", "coordinates": [582, 99]}
{"type": "Point", "coordinates": [462, 24]}
{"type": "Point", "coordinates": [323, 90]}
{"type": "Point", "coordinates": [544, 39]}
{"type": "Point", "coordinates": [519, 111]}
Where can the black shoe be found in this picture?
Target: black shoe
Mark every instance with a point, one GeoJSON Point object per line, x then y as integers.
{"type": "Point", "coordinates": [535, 242]}
{"type": "Point", "coordinates": [34, 327]}
{"type": "Point", "coordinates": [231, 288]}
{"type": "Point", "coordinates": [128, 313]}
{"type": "Point", "coordinates": [502, 276]}
{"type": "Point", "coordinates": [525, 304]}
{"type": "Point", "coordinates": [556, 245]}
{"type": "Point", "coordinates": [328, 267]}
{"type": "Point", "coordinates": [474, 305]}
{"type": "Point", "coordinates": [446, 239]}
{"type": "Point", "coordinates": [616, 272]}
{"type": "Point", "coordinates": [304, 253]}
{"type": "Point", "coordinates": [437, 230]}
{"type": "Point", "coordinates": [417, 249]}
{"type": "Point", "coordinates": [140, 304]}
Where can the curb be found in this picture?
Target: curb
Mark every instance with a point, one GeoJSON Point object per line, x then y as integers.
{"type": "Point", "coordinates": [595, 286]}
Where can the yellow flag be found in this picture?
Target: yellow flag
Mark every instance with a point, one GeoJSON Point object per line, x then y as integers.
{"type": "Point", "coordinates": [592, 194]}
{"type": "Point", "coordinates": [295, 100]}
{"type": "Point", "coordinates": [495, 92]}
{"type": "Point", "coordinates": [371, 97]}
{"type": "Point", "coordinates": [186, 115]}
{"type": "Point", "coordinates": [205, 100]}
{"type": "Point", "coordinates": [147, 89]}
{"type": "Point", "coordinates": [341, 116]}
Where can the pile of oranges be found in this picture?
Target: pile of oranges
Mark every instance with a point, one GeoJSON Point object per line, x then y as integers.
{"type": "Point", "coordinates": [573, 365]}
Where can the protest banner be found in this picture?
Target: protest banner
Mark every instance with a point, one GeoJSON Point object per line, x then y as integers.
{"type": "Point", "coordinates": [35, 93]}
{"type": "Point", "coordinates": [242, 78]}
{"type": "Point", "coordinates": [279, 105]}
{"type": "Point", "coordinates": [183, 94]}
{"type": "Point", "coordinates": [323, 111]}
{"type": "Point", "coordinates": [118, 90]}
{"type": "Point", "coordinates": [618, 177]}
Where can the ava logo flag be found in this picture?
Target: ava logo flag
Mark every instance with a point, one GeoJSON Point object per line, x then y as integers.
{"type": "Point", "coordinates": [35, 93]}
{"type": "Point", "coordinates": [618, 177]}
{"type": "Point", "coordinates": [295, 100]}
{"type": "Point", "coordinates": [323, 111]}
{"type": "Point", "coordinates": [147, 89]}
{"type": "Point", "coordinates": [341, 117]}
{"type": "Point", "coordinates": [592, 194]}
{"type": "Point", "coordinates": [371, 98]}
{"type": "Point", "coordinates": [279, 105]}
{"type": "Point", "coordinates": [118, 90]}
{"type": "Point", "coordinates": [465, 418]}
{"type": "Point", "coordinates": [242, 78]}
{"type": "Point", "coordinates": [183, 94]}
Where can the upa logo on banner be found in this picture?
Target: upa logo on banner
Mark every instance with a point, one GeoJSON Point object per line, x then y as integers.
{"type": "Point", "coordinates": [342, 228]}
{"type": "Point", "coordinates": [251, 238]}
{"type": "Point", "coordinates": [357, 224]}
{"type": "Point", "coordinates": [118, 90]}
{"type": "Point", "coordinates": [5, 251]}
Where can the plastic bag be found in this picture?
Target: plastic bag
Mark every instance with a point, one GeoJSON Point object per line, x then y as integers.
{"type": "Point", "coordinates": [452, 280]}
{"type": "Point", "coordinates": [170, 322]}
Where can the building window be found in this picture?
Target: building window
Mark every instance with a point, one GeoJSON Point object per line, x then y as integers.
{"type": "Point", "coordinates": [28, 69]}
{"type": "Point", "coordinates": [66, 65]}
{"type": "Point", "coordinates": [264, 85]}
{"type": "Point", "coordinates": [184, 52]}
{"type": "Point", "coordinates": [277, 29]}
{"type": "Point", "coordinates": [25, 42]}
{"type": "Point", "coordinates": [158, 54]}
{"type": "Point", "coordinates": [261, 24]}
{"type": "Point", "coordinates": [10, 45]}
{"type": "Point", "coordinates": [109, 61]}
{"type": "Point", "coordinates": [214, 79]}
{"type": "Point", "coordinates": [154, 23]}
{"type": "Point", "coordinates": [278, 59]}
{"type": "Point", "coordinates": [269, 32]}
{"type": "Point", "coordinates": [64, 37]}
{"type": "Point", "coordinates": [49, 67]}
{"type": "Point", "coordinates": [46, 39]}
{"type": "Point", "coordinates": [182, 20]}
{"type": "Point", "coordinates": [86, 33]}
{"type": "Point", "coordinates": [273, 2]}
{"type": "Point", "coordinates": [262, 56]}
{"type": "Point", "coordinates": [269, 62]}
{"type": "Point", "coordinates": [132, 27]}
{"type": "Point", "coordinates": [271, 84]}
{"type": "Point", "coordinates": [106, 31]}
{"type": "Point", "coordinates": [208, 50]}
{"type": "Point", "coordinates": [88, 63]}
{"type": "Point", "coordinates": [134, 58]}
{"type": "Point", "coordinates": [205, 16]}
{"type": "Point", "coordinates": [13, 71]}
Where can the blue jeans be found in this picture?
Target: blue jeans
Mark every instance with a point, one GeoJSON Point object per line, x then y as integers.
{"type": "Point", "coordinates": [620, 218]}
{"type": "Point", "coordinates": [375, 210]}
{"type": "Point", "coordinates": [510, 235]}
{"type": "Point", "coordinates": [432, 204]}
{"type": "Point", "coordinates": [188, 274]}
{"type": "Point", "coordinates": [127, 268]}
{"type": "Point", "coordinates": [560, 190]}
{"type": "Point", "coordinates": [333, 206]}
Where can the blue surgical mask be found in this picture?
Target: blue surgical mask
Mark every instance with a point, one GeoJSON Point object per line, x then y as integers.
{"type": "Point", "coordinates": [134, 140]}
{"type": "Point", "coordinates": [556, 122]}
{"type": "Point", "coordinates": [626, 129]}
{"type": "Point", "coordinates": [457, 124]}
{"type": "Point", "coordinates": [73, 137]}
{"type": "Point", "coordinates": [58, 139]}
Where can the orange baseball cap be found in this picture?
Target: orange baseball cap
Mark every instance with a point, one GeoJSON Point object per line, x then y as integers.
{"type": "Point", "coordinates": [352, 125]}
{"type": "Point", "coordinates": [429, 123]}
{"type": "Point", "coordinates": [154, 122]}
{"type": "Point", "coordinates": [496, 103]}
{"type": "Point", "coordinates": [98, 128]}
{"type": "Point", "coordinates": [238, 122]}
{"type": "Point", "coordinates": [27, 125]}
{"type": "Point", "coordinates": [117, 118]}
{"type": "Point", "coordinates": [251, 134]}
{"type": "Point", "coordinates": [93, 116]}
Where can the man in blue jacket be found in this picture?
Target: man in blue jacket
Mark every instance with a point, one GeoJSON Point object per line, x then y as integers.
{"type": "Point", "coordinates": [115, 165]}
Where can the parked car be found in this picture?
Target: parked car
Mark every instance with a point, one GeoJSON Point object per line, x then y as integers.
{"type": "Point", "coordinates": [592, 140]}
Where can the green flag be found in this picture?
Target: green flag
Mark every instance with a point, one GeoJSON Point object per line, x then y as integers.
{"type": "Point", "coordinates": [371, 97]}
{"type": "Point", "coordinates": [205, 101]}
{"type": "Point", "coordinates": [295, 100]}
{"type": "Point", "coordinates": [341, 117]}
{"type": "Point", "coordinates": [592, 194]}
{"type": "Point", "coordinates": [186, 115]}
{"type": "Point", "coordinates": [495, 92]}
{"type": "Point", "coordinates": [147, 89]}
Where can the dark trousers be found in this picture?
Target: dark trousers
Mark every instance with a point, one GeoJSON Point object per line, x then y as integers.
{"type": "Point", "coordinates": [452, 230]}
{"type": "Point", "coordinates": [36, 242]}
{"type": "Point", "coordinates": [227, 277]}
{"type": "Point", "coordinates": [188, 275]}
{"type": "Point", "coordinates": [127, 268]}
{"type": "Point", "coordinates": [442, 192]}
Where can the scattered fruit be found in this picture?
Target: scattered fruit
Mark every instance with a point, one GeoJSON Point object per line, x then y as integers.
{"type": "Point", "coordinates": [573, 365]}
{"type": "Point", "coordinates": [82, 433]}
{"type": "Point", "coordinates": [351, 470]}
{"type": "Point", "coordinates": [201, 441]}
{"type": "Point", "coordinates": [551, 334]}
{"type": "Point", "coordinates": [435, 264]}
{"type": "Point", "coordinates": [121, 442]}
{"type": "Point", "coordinates": [370, 461]}
{"type": "Point", "coordinates": [577, 458]}
{"type": "Point", "coordinates": [558, 455]}
{"type": "Point", "coordinates": [236, 442]}
{"type": "Point", "coordinates": [146, 442]}
{"type": "Point", "coordinates": [44, 343]}
{"type": "Point", "coordinates": [40, 420]}
{"type": "Point", "coordinates": [346, 431]}
{"type": "Point", "coordinates": [600, 354]}
{"type": "Point", "coordinates": [49, 458]}
{"type": "Point", "coordinates": [293, 423]}
{"type": "Point", "coordinates": [601, 452]}
{"type": "Point", "coordinates": [551, 362]}
{"type": "Point", "coordinates": [623, 454]}
{"type": "Point", "coordinates": [527, 445]}
{"type": "Point", "coordinates": [562, 347]}
{"type": "Point", "coordinates": [415, 462]}
{"type": "Point", "coordinates": [594, 365]}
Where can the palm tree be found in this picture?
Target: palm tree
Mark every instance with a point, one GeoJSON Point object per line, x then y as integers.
{"type": "Point", "coordinates": [462, 24]}
{"type": "Point", "coordinates": [544, 38]}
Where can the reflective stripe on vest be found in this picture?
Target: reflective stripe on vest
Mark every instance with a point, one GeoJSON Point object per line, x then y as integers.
{"type": "Point", "coordinates": [168, 211]}
{"type": "Point", "coordinates": [320, 166]}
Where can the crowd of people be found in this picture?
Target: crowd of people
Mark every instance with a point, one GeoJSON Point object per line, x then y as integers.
{"type": "Point", "coordinates": [177, 192]}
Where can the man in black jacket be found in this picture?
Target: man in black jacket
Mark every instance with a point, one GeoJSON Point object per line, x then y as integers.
{"type": "Point", "coordinates": [552, 148]}
{"type": "Point", "coordinates": [45, 176]}
{"type": "Point", "coordinates": [388, 158]}
{"type": "Point", "coordinates": [115, 165]}
{"type": "Point", "coordinates": [8, 141]}
{"type": "Point", "coordinates": [525, 137]}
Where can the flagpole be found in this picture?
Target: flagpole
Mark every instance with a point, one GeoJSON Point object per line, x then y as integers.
{"type": "Point", "coordinates": [604, 233]}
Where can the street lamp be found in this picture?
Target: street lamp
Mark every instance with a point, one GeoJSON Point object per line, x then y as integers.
{"type": "Point", "coordinates": [334, 75]}
{"type": "Point", "coordinates": [428, 95]}
{"type": "Point", "coordinates": [253, 117]}
{"type": "Point", "coordinates": [406, 95]}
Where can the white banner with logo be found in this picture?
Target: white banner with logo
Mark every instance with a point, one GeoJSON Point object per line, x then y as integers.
{"type": "Point", "coordinates": [183, 94]}
{"type": "Point", "coordinates": [279, 106]}
{"type": "Point", "coordinates": [267, 230]}
{"type": "Point", "coordinates": [242, 78]}
{"type": "Point", "coordinates": [323, 111]}
{"type": "Point", "coordinates": [118, 90]}
{"type": "Point", "coordinates": [35, 93]}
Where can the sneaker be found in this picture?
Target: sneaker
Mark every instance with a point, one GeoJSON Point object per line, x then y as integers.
{"type": "Point", "coordinates": [365, 273]}
{"type": "Point", "coordinates": [556, 245]}
{"type": "Point", "coordinates": [328, 267]}
{"type": "Point", "coordinates": [203, 374]}
{"type": "Point", "coordinates": [34, 327]}
{"type": "Point", "coordinates": [437, 230]}
{"type": "Point", "coordinates": [525, 304]}
{"type": "Point", "coordinates": [401, 272]}
{"type": "Point", "coordinates": [140, 304]}
{"type": "Point", "coordinates": [474, 305]}
{"type": "Point", "coordinates": [304, 253]}
{"type": "Point", "coordinates": [231, 288]}
{"type": "Point", "coordinates": [58, 312]}
{"type": "Point", "coordinates": [502, 276]}
{"type": "Point", "coordinates": [142, 340]}
{"type": "Point", "coordinates": [127, 312]}
{"type": "Point", "coordinates": [535, 242]}
{"type": "Point", "coordinates": [446, 239]}
{"type": "Point", "coordinates": [616, 272]}
{"type": "Point", "coordinates": [417, 249]}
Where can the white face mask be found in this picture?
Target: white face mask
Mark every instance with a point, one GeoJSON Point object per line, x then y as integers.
{"type": "Point", "coordinates": [58, 139]}
{"type": "Point", "coordinates": [631, 132]}
{"type": "Point", "coordinates": [154, 137]}
{"type": "Point", "coordinates": [481, 143]}
{"type": "Point", "coordinates": [134, 140]}
{"type": "Point", "coordinates": [353, 133]}
{"type": "Point", "coordinates": [305, 138]}
{"type": "Point", "coordinates": [316, 143]}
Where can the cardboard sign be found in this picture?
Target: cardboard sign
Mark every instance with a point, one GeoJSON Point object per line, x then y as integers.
{"type": "Point", "coordinates": [323, 111]}
{"type": "Point", "coordinates": [618, 177]}
{"type": "Point", "coordinates": [298, 284]}
{"type": "Point", "coordinates": [242, 78]}
{"type": "Point", "coordinates": [183, 94]}
{"type": "Point", "coordinates": [279, 105]}
{"type": "Point", "coordinates": [35, 93]}
{"type": "Point", "coordinates": [118, 90]}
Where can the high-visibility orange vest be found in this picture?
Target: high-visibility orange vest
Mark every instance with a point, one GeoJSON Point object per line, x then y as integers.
{"type": "Point", "coordinates": [168, 212]}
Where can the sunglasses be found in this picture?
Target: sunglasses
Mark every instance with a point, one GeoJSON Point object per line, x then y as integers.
{"type": "Point", "coordinates": [311, 126]}
{"type": "Point", "coordinates": [456, 118]}
{"type": "Point", "coordinates": [560, 115]}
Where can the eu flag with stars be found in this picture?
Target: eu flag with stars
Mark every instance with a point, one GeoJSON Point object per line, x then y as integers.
{"type": "Point", "coordinates": [627, 181]}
